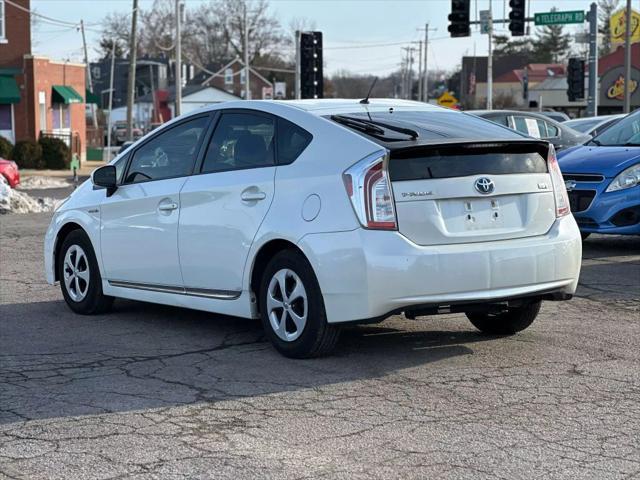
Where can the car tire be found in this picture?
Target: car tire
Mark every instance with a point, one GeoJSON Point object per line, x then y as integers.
{"type": "Point", "coordinates": [80, 279]}
{"type": "Point", "coordinates": [506, 323]}
{"type": "Point", "coordinates": [292, 308]}
{"type": "Point", "coordinates": [584, 235]}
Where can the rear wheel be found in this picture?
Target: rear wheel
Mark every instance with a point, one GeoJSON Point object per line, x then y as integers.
{"type": "Point", "coordinates": [80, 279]}
{"type": "Point", "coordinates": [512, 321]}
{"type": "Point", "coordinates": [292, 308]}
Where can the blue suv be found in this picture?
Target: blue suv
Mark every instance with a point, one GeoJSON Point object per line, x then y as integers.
{"type": "Point", "coordinates": [603, 179]}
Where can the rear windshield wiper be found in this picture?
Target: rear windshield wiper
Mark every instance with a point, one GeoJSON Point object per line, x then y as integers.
{"type": "Point", "coordinates": [358, 124]}
{"type": "Point", "coordinates": [407, 131]}
{"type": "Point", "coordinates": [373, 126]}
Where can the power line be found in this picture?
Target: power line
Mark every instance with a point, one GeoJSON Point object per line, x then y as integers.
{"type": "Point", "coordinates": [43, 17]}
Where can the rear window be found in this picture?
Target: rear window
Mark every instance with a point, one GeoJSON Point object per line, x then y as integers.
{"type": "Point", "coordinates": [461, 161]}
{"type": "Point", "coordinates": [441, 124]}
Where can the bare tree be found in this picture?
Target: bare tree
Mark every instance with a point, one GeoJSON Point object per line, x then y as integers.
{"type": "Point", "coordinates": [605, 9]}
{"type": "Point", "coordinates": [265, 32]}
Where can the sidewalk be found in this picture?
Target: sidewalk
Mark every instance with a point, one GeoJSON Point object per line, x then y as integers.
{"type": "Point", "coordinates": [85, 170]}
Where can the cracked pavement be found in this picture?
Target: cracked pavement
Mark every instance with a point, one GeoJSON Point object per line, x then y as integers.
{"type": "Point", "coordinates": [156, 392]}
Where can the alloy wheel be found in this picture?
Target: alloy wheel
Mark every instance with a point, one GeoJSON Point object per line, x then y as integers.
{"type": "Point", "coordinates": [287, 304]}
{"type": "Point", "coordinates": [76, 273]}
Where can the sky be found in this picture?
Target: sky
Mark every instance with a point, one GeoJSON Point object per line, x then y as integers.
{"type": "Point", "coordinates": [361, 36]}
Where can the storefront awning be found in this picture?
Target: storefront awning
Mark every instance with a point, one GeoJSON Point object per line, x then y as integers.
{"type": "Point", "coordinates": [65, 94]}
{"type": "Point", "coordinates": [92, 97]}
{"type": "Point", "coordinates": [9, 92]}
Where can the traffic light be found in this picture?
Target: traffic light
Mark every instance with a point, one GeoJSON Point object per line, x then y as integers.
{"type": "Point", "coordinates": [575, 79]}
{"type": "Point", "coordinates": [517, 17]}
{"type": "Point", "coordinates": [459, 18]}
{"type": "Point", "coordinates": [311, 84]}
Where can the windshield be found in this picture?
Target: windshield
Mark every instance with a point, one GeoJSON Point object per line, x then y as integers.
{"type": "Point", "coordinates": [583, 126]}
{"type": "Point", "coordinates": [625, 132]}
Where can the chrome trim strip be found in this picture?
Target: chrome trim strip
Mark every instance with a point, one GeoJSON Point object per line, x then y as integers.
{"type": "Point", "coordinates": [219, 294]}
{"type": "Point", "coordinates": [195, 292]}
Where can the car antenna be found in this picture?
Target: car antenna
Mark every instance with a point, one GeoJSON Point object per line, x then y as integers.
{"type": "Point", "coordinates": [365, 100]}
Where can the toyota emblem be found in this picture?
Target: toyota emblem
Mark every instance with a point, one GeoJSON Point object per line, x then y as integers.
{"type": "Point", "coordinates": [484, 185]}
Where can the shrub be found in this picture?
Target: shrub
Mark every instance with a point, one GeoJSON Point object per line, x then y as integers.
{"type": "Point", "coordinates": [28, 154]}
{"type": "Point", "coordinates": [5, 148]}
{"type": "Point", "coordinates": [55, 153]}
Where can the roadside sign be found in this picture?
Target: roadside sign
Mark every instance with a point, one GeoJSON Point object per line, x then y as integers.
{"type": "Point", "coordinates": [618, 26]}
{"type": "Point", "coordinates": [485, 20]}
{"type": "Point", "coordinates": [559, 18]}
{"type": "Point", "coordinates": [447, 100]}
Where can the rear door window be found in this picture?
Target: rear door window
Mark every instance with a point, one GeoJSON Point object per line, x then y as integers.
{"type": "Point", "coordinates": [241, 140]}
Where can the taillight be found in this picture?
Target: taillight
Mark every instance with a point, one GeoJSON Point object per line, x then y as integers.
{"type": "Point", "coordinates": [559, 190]}
{"type": "Point", "coordinates": [369, 189]}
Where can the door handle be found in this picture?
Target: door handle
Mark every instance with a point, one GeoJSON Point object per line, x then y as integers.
{"type": "Point", "coordinates": [252, 195]}
{"type": "Point", "coordinates": [167, 207]}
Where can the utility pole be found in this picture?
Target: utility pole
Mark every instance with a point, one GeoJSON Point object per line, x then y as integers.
{"type": "Point", "coordinates": [109, 123]}
{"type": "Point", "coordinates": [420, 71]}
{"type": "Point", "coordinates": [490, 62]}
{"type": "Point", "coordinates": [88, 72]}
{"type": "Point", "coordinates": [425, 87]}
{"type": "Point", "coordinates": [627, 60]}
{"type": "Point", "coordinates": [132, 71]}
{"type": "Point", "coordinates": [298, 61]}
{"type": "Point", "coordinates": [178, 104]}
{"type": "Point", "coordinates": [247, 89]}
{"type": "Point", "coordinates": [592, 95]}
{"type": "Point", "coordinates": [410, 75]}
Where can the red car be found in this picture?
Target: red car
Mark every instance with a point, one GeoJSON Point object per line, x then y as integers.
{"type": "Point", "coordinates": [9, 170]}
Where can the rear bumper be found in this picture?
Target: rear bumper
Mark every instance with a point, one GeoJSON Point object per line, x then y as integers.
{"type": "Point", "coordinates": [366, 274]}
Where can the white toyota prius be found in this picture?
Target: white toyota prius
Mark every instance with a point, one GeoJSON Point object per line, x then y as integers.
{"type": "Point", "coordinates": [313, 214]}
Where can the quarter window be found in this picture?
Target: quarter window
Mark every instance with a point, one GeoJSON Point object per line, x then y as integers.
{"type": "Point", "coordinates": [241, 140]}
{"type": "Point", "coordinates": [169, 154]}
{"type": "Point", "coordinates": [292, 140]}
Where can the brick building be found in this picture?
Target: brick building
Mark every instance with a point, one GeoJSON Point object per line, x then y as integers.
{"type": "Point", "coordinates": [37, 95]}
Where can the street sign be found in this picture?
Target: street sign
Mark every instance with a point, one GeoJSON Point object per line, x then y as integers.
{"type": "Point", "coordinates": [447, 100]}
{"type": "Point", "coordinates": [485, 19]}
{"type": "Point", "coordinates": [559, 18]}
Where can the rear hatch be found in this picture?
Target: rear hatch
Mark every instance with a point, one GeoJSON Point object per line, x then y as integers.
{"type": "Point", "coordinates": [471, 192]}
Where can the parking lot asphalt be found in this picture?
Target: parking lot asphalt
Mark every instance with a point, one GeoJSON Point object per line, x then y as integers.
{"type": "Point", "coordinates": [157, 392]}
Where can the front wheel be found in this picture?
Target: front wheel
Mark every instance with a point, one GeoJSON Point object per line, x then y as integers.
{"type": "Point", "coordinates": [292, 308]}
{"type": "Point", "coordinates": [79, 276]}
{"type": "Point", "coordinates": [512, 321]}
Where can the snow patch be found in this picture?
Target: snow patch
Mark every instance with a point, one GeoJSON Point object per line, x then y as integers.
{"type": "Point", "coordinates": [13, 201]}
{"type": "Point", "coordinates": [28, 183]}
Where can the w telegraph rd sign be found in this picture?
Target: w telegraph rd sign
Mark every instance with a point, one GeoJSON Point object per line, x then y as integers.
{"type": "Point", "coordinates": [559, 18]}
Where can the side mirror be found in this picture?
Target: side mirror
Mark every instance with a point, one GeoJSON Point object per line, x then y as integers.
{"type": "Point", "coordinates": [105, 177]}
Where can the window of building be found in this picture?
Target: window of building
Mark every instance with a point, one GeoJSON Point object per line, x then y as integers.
{"type": "Point", "coordinates": [169, 154]}
{"type": "Point", "coordinates": [6, 122]}
{"type": "Point", "coordinates": [61, 116]}
{"type": "Point", "coordinates": [3, 36]}
{"type": "Point", "coordinates": [243, 75]}
{"type": "Point", "coordinates": [228, 76]}
{"type": "Point", "coordinates": [241, 140]}
{"type": "Point", "coordinates": [42, 107]}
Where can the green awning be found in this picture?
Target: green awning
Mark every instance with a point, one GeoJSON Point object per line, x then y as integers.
{"type": "Point", "coordinates": [65, 94]}
{"type": "Point", "coordinates": [9, 92]}
{"type": "Point", "coordinates": [91, 97]}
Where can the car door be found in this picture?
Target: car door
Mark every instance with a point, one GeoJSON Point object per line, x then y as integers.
{"type": "Point", "coordinates": [139, 234]}
{"type": "Point", "coordinates": [224, 204]}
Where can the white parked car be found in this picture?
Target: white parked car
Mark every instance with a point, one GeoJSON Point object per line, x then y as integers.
{"type": "Point", "coordinates": [312, 214]}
